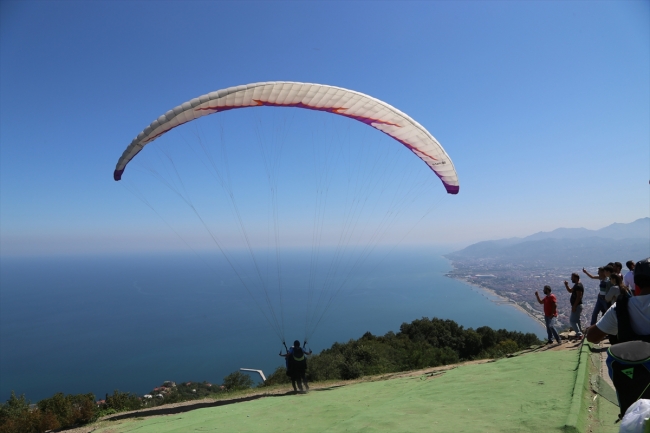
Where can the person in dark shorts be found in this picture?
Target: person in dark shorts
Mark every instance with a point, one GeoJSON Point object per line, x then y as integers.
{"type": "Point", "coordinates": [550, 314]}
{"type": "Point", "coordinates": [577, 292]}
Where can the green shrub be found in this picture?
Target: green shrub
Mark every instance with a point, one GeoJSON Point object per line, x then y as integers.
{"type": "Point", "coordinates": [325, 366]}
{"type": "Point", "coordinates": [237, 381]}
{"type": "Point", "coordinates": [17, 417]}
{"type": "Point", "coordinates": [122, 401]}
{"type": "Point", "coordinates": [68, 410]}
{"type": "Point", "coordinates": [278, 377]}
{"type": "Point", "coordinates": [105, 412]}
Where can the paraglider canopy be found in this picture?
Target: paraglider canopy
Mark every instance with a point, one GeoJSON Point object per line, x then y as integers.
{"type": "Point", "coordinates": [335, 100]}
{"type": "Point", "coordinates": [360, 191]}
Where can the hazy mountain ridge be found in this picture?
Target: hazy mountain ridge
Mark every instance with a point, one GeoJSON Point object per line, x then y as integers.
{"type": "Point", "coordinates": [636, 229]}
{"type": "Point", "coordinates": [567, 246]}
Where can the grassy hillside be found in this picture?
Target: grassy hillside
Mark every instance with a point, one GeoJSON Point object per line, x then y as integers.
{"type": "Point", "coordinates": [533, 392]}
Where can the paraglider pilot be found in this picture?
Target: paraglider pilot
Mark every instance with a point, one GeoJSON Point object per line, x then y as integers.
{"type": "Point", "coordinates": [296, 363]}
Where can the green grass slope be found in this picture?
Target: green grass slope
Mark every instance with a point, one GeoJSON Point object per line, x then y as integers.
{"type": "Point", "coordinates": [527, 393]}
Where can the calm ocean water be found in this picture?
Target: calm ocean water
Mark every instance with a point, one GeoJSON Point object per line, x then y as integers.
{"type": "Point", "coordinates": [95, 324]}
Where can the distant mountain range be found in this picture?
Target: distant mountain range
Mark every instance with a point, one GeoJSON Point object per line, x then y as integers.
{"type": "Point", "coordinates": [566, 246]}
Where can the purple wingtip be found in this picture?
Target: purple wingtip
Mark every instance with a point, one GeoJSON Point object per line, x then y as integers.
{"type": "Point", "coordinates": [117, 174]}
{"type": "Point", "coordinates": [452, 189]}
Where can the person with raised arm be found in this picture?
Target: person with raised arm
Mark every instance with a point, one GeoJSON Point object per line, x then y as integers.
{"type": "Point", "coordinates": [628, 361]}
{"type": "Point", "coordinates": [577, 292]}
{"type": "Point", "coordinates": [601, 304]}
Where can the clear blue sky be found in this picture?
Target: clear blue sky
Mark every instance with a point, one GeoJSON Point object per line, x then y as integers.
{"type": "Point", "coordinates": [544, 107]}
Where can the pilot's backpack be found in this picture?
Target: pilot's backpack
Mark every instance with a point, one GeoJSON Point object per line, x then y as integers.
{"type": "Point", "coordinates": [629, 368]}
{"type": "Point", "coordinates": [296, 361]}
{"type": "Point", "coordinates": [298, 354]}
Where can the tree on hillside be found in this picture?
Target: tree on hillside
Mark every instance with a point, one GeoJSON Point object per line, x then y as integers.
{"type": "Point", "coordinates": [236, 381]}
{"type": "Point", "coordinates": [68, 410]}
{"type": "Point", "coordinates": [420, 344]}
{"type": "Point", "coordinates": [16, 416]}
{"type": "Point", "coordinates": [279, 376]}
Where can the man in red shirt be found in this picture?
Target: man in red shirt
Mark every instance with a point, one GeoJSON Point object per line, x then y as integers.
{"type": "Point", "coordinates": [550, 313]}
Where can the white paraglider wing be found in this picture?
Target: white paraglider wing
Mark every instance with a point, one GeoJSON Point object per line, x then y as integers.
{"type": "Point", "coordinates": [336, 100]}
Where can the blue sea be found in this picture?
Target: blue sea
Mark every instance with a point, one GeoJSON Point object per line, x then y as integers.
{"type": "Point", "coordinates": [100, 323]}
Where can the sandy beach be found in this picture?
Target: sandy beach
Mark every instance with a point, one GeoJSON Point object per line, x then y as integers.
{"type": "Point", "coordinates": [501, 299]}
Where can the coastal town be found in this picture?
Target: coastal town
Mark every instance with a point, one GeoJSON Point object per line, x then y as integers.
{"type": "Point", "coordinates": [516, 284]}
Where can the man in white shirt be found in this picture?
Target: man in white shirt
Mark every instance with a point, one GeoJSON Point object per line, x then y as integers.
{"type": "Point", "coordinates": [633, 323]}
{"type": "Point", "coordinates": [628, 280]}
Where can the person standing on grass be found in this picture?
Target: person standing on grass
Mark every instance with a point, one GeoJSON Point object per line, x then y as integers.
{"type": "Point", "coordinates": [601, 305]}
{"type": "Point", "coordinates": [577, 292]}
{"type": "Point", "coordinates": [297, 365]}
{"type": "Point", "coordinates": [550, 314]}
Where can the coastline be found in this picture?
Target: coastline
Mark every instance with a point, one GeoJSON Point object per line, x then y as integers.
{"type": "Point", "coordinates": [500, 299]}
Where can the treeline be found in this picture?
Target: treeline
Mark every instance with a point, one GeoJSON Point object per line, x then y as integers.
{"type": "Point", "coordinates": [420, 344]}
{"type": "Point", "coordinates": [59, 411]}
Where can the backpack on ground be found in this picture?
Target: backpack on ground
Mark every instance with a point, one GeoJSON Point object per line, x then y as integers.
{"type": "Point", "coordinates": [628, 365]}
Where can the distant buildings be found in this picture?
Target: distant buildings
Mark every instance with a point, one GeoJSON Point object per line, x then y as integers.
{"type": "Point", "coordinates": [518, 284]}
